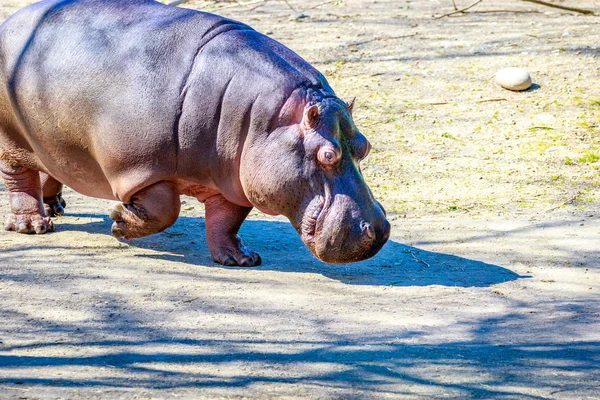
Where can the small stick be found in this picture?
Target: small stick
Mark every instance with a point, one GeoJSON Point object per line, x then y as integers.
{"type": "Point", "coordinates": [488, 100]}
{"type": "Point", "coordinates": [290, 6]}
{"type": "Point", "coordinates": [419, 260]}
{"type": "Point", "coordinates": [459, 11]}
{"type": "Point", "coordinates": [564, 203]}
{"type": "Point", "coordinates": [505, 11]}
{"type": "Point", "coordinates": [259, 5]}
{"type": "Point", "coordinates": [190, 300]}
{"type": "Point", "coordinates": [321, 4]}
{"type": "Point", "coordinates": [574, 9]}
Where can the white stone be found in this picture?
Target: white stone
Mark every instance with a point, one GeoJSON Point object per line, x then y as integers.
{"type": "Point", "coordinates": [514, 79]}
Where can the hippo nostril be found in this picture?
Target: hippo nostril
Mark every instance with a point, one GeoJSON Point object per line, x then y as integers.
{"type": "Point", "coordinates": [367, 229]}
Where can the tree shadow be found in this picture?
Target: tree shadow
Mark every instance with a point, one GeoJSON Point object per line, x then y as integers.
{"type": "Point", "coordinates": [282, 250]}
{"type": "Point", "coordinates": [497, 367]}
{"type": "Point", "coordinates": [375, 370]}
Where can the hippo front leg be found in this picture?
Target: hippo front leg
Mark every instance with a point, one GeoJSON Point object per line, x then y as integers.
{"type": "Point", "coordinates": [25, 196]}
{"type": "Point", "coordinates": [151, 210]}
{"type": "Point", "coordinates": [223, 221]}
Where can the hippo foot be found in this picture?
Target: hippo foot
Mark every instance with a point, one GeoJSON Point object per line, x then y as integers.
{"type": "Point", "coordinates": [29, 223]}
{"type": "Point", "coordinates": [55, 206]}
{"type": "Point", "coordinates": [236, 255]}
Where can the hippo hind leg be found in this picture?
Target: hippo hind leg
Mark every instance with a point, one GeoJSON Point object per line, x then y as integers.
{"type": "Point", "coordinates": [25, 196]}
{"type": "Point", "coordinates": [223, 221]}
{"type": "Point", "coordinates": [152, 210]}
{"type": "Point", "coordinates": [52, 195]}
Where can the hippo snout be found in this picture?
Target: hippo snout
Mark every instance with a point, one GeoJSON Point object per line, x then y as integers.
{"type": "Point", "coordinates": [377, 236]}
{"type": "Point", "coordinates": [349, 234]}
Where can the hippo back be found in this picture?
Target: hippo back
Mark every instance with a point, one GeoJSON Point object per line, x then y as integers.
{"type": "Point", "coordinates": [125, 93]}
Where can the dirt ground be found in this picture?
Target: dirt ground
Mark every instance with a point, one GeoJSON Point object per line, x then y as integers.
{"type": "Point", "coordinates": [489, 287]}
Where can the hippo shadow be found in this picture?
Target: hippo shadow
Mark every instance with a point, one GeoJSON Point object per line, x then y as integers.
{"type": "Point", "coordinates": [282, 250]}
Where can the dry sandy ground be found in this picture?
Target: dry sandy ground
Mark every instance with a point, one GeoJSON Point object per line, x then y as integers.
{"type": "Point", "coordinates": [489, 287]}
{"type": "Point", "coordinates": [454, 308]}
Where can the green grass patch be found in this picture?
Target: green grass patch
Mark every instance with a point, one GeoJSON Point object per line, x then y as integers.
{"type": "Point", "coordinates": [589, 157]}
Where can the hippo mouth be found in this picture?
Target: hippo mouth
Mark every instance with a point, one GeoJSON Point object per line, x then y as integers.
{"type": "Point", "coordinates": [333, 234]}
{"type": "Point", "coordinates": [312, 219]}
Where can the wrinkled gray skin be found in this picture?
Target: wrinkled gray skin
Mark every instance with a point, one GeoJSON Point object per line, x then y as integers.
{"type": "Point", "coordinates": [140, 102]}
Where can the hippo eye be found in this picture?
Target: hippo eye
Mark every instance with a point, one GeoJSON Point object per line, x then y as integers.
{"type": "Point", "coordinates": [328, 156]}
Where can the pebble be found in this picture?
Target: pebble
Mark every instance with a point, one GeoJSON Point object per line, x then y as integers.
{"type": "Point", "coordinates": [516, 79]}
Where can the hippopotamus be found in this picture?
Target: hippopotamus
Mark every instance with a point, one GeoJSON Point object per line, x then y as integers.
{"type": "Point", "coordinates": [140, 102]}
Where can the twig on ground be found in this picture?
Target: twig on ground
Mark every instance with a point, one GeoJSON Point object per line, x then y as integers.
{"type": "Point", "coordinates": [574, 9]}
{"type": "Point", "coordinates": [190, 300]}
{"type": "Point", "coordinates": [459, 11]}
{"type": "Point", "coordinates": [564, 203]}
{"type": "Point", "coordinates": [258, 5]}
{"type": "Point", "coordinates": [419, 260]}
{"type": "Point", "coordinates": [290, 6]}
{"type": "Point", "coordinates": [321, 4]}
{"type": "Point", "coordinates": [439, 103]}
{"type": "Point", "coordinates": [435, 103]}
{"type": "Point", "coordinates": [540, 2]}
{"type": "Point", "coordinates": [490, 100]}
{"type": "Point", "coordinates": [505, 11]}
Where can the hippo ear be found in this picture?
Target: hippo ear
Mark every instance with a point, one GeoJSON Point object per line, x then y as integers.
{"type": "Point", "coordinates": [311, 116]}
{"type": "Point", "coordinates": [350, 105]}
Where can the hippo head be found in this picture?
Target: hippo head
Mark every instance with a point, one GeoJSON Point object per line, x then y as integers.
{"type": "Point", "coordinates": [308, 169]}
